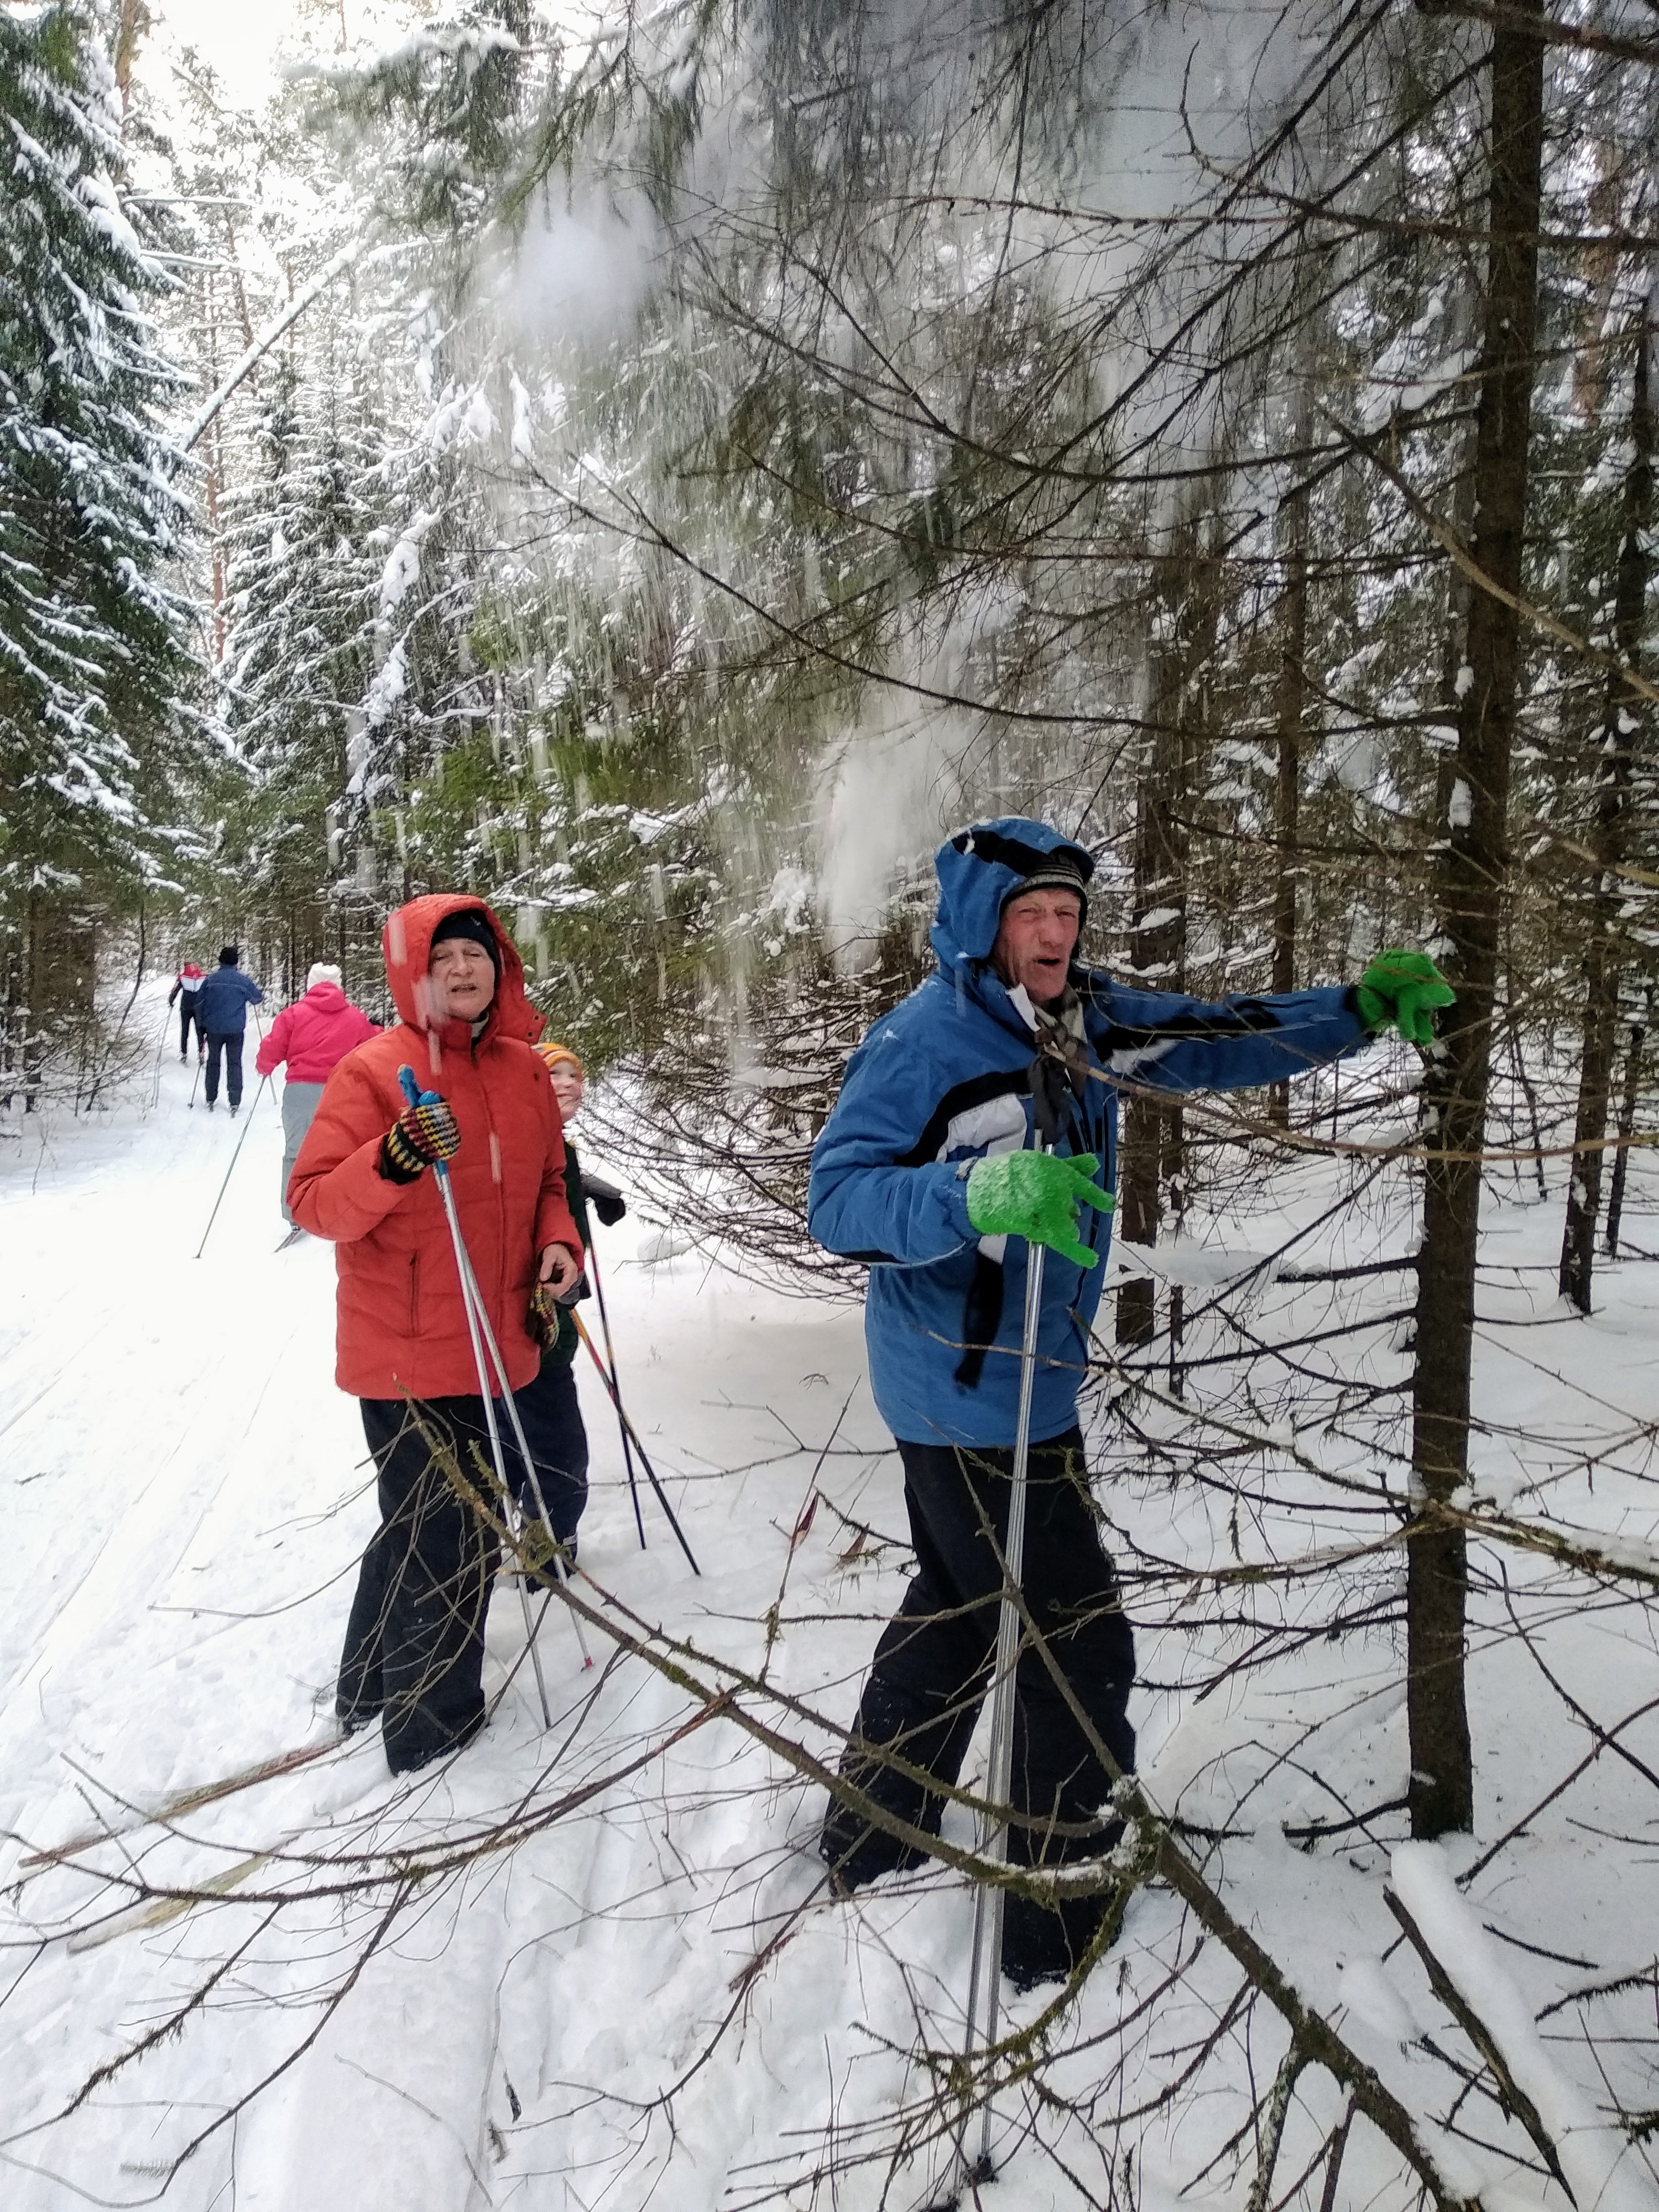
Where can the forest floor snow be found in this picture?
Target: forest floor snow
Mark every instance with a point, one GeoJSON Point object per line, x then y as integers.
{"type": "Point", "coordinates": [647, 1999]}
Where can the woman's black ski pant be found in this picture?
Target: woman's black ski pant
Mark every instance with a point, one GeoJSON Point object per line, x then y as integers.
{"type": "Point", "coordinates": [415, 1640]}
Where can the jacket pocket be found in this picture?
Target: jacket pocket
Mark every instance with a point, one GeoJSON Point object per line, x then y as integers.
{"type": "Point", "coordinates": [414, 1294]}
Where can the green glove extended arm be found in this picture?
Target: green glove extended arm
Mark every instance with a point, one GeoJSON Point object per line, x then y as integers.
{"type": "Point", "coordinates": [1402, 989]}
{"type": "Point", "coordinates": [1035, 1195]}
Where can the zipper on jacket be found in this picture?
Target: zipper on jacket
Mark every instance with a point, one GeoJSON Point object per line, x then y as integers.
{"type": "Point", "coordinates": [414, 1293]}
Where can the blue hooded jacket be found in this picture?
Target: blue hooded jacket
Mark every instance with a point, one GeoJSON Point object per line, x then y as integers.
{"type": "Point", "coordinates": [223, 999]}
{"type": "Point", "coordinates": [944, 1079]}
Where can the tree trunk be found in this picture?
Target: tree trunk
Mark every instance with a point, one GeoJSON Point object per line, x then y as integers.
{"type": "Point", "coordinates": [1292, 706]}
{"type": "Point", "coordinates": [1473, 872]}
{"type": "Point", "coordinates": [1638, 1031]}
{"type": "Point", "coordinates": [1613, 750]}
{"type": "Point", "coordinates": [1158, 943]}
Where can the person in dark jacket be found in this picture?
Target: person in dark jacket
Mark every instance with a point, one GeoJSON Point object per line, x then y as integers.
{"type": "Point", "coordinates": [927, 1168]}
{"type": "Point", "coordinates": [548, 1408]}
{"type": "Point", "coordinates": [221, 1005]}
{"type": "Point", "coordinates": [186, 985]}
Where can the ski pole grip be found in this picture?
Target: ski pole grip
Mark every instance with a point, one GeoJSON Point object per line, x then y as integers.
{"type": "Point", "coordinates": [412, 1090]}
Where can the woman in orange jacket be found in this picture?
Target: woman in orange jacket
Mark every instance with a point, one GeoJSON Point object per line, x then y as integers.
{"type": "Point", "coordinates": [414, 1648]}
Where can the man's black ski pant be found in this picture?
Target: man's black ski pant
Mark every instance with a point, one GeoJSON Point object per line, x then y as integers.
{"type": "Point", "coordinates": [187, 1016]}
{"type": "Point", "coordinates": [231, 1048]}
{"type": "Point", "coordinates": [932, 1664]}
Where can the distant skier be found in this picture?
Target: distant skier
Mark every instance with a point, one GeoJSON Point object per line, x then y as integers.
{"type": "Point", "coordinates": [186, 985]}
{"type": "Point", "coordinates": [548, 1407]}
{"type": "Point", "coordinates": [222, 1005]}
{"type": "Point", "coordinates": [414, 1646]}
{"type": "Point", "coordinates": [927, 1169]}
{"type": "Point", "coordinates": [313, 1035]}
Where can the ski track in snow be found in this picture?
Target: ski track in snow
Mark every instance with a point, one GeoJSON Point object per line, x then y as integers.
{"type": "Point", "coordinates": [187, 1495]}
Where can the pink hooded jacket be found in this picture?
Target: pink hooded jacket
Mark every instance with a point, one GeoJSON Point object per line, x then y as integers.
{"type": "Point", "coordinates": [314, 1035]}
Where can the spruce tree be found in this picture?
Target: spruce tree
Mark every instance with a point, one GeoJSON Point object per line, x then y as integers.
{"type": "Point", "coordinates": [93, 660]}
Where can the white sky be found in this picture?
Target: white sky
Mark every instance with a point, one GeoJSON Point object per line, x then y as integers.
{"type": "Point", "coordinates": [238, 38]}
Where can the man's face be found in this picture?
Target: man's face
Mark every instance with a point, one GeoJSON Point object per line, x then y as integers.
{"type": "Point", "coordinates": [566, 1088]}
{"type": "Point", "coordinates": [1036, 939]}
{"type": "Point", "coordinates": [463, 979]}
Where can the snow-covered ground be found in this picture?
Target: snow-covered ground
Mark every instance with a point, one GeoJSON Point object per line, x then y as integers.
{"type": "Point", "coordinates": [594, 1965]}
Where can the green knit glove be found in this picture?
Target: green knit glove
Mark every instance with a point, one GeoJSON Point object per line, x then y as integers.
{"type": "Point", "coordinates": [1035, 1195]}
{"type": "Point", "coordinates": [1402, 989]}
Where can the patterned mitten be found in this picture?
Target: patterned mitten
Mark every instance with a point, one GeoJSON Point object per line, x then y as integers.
{"type": "Point", "coordinates": [421, 1136]}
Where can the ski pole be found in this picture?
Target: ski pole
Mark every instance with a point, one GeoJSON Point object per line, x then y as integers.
{"type": "Point", "coordinates": [616, 1388]}
{"type": "Point", "coordinates": [231, 1170]}
{"type": "Point", "coordinates": [630, 1430]}
{"type": "Point", "coordinates": [470, 1292]}
{"type": "Point", "coordinates": [196, 1078]}
{"type": "Point", "coordinates": [465, 1272]}
{"type": "Point", "coordinates": [535, 1482]}
{"type": "Point", "coordinates": [495, 1434]}
{"type": "Point", "coordinates": [160, 1055]}
{"type": "Point", "coordinates": [984, 1985]}
{"type": "Point", "coordinates": [477, 1322]}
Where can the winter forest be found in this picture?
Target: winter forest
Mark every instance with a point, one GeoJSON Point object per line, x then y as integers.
{"type": "Point", "coordinates": [662, 468]}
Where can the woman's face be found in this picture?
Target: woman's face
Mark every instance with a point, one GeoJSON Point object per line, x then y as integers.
{"type": "Point", "coordinates": [567, 1089]}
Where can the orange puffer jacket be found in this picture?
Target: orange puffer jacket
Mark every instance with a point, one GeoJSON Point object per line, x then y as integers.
{"type": "Point", "coordinates": [402, 1325]}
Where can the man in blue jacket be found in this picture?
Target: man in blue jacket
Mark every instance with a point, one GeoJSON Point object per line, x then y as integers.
{"type": "Point", "coordinates": [928, 1169]}
{"type": "Point", "coordinates": [221, 1005]}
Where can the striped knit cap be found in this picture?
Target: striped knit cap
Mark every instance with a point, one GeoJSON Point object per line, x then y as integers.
{"type": "Point", "coordinates": [561, 1055]}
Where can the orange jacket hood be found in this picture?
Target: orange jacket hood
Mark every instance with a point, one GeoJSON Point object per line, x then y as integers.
{"type": "Point", "coordinates": [406, 941]}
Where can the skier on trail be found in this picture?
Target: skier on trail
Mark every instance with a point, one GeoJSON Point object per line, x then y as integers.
{"type": "Point", "coordinates": [222, 1005]}
{"type": "Point", "coordinates": [186, 985]}
{"type": "Point", "coordinates": [414, 1644]}
{"type": "Point", "coordinates": [927, 1169]}
{"type": "Point", "coordinates": [313, 1035]}
{"type": "Point", "coordinates": [548, 1407]}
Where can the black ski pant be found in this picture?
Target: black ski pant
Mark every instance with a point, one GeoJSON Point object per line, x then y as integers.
{"type": "Point", "coordinates": [933, 1662]}
{"type": "Point", "coordinates": [187, 1015]}
{"type": "Point", "coordinates": [552, 1419]}
{"type": "Point", "coordinates": [415, 1641]}
{"type": "Point", "coordinates": [231, 1048]}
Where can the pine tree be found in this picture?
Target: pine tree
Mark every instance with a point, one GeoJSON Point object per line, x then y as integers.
{"type": "Point", "coordinates": [300, 564]}
{"type": "Point", "coordinates": [93, 660]}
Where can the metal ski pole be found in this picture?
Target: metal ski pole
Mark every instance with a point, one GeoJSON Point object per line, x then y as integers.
{"type": "Point", "coordinates": [615, 1390]}
{"type": "Point", "coordinates": [196, 1078]}
{"type": "Point", "coordinates": [466, 1274]}
{"type": "Point", "coordinates": [160, 1055]}
{"type": "Point", "coordinates": [630, 1430]}
{"type": "Point", "coordinates": [469, 1306]}
{"type": "Point", "coordinates": [470, 1290]}
{"type": "Point", "coordinates": [524, 1453]}
{"type": "Point", "coordinates": [231, 1170]}
{"type": "Point", "coordinates": [477, 1322]}
{"type": "Point", "coordinates": [984, 1985]}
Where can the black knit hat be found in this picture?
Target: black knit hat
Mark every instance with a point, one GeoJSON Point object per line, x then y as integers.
{"type": "Point", "coordinates": [227, 956]}
{"type": "Point", "coordinates": [1064, 869]}
{"type": "Point", "coordinates": [470, 923]}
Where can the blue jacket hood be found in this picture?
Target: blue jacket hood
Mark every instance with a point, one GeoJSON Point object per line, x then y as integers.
{"type": "Point", "coordinates": [979, 870]}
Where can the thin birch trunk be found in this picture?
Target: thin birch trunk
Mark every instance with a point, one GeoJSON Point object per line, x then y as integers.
{"type": "Point", "coordinates": [1158, 930]}
{"type": "Point", "coordinates": [1291, 707]}
{"type": "Point", "coordinates": [1614, 752]}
